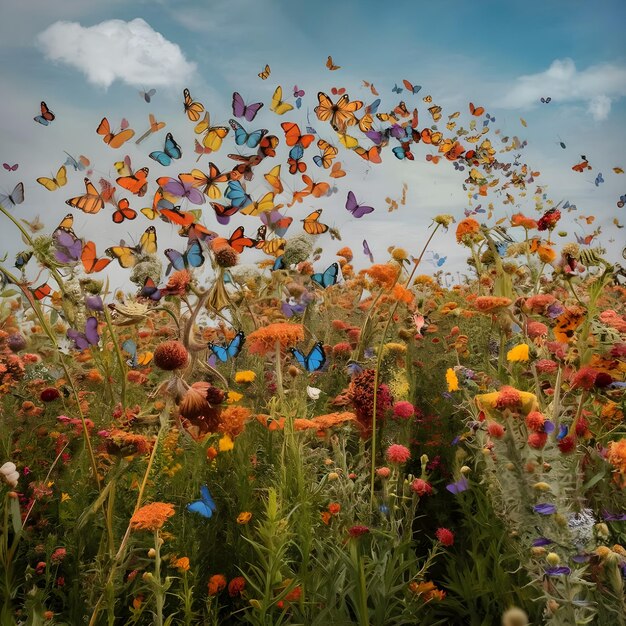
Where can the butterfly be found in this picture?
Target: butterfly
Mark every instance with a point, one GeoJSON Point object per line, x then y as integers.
{"type": "Point", "coordinates": [330, 65]}
{"type": "Point", "coordinates": [136, 183]}
{"type": "Point", "coordinates": [136, 359]}
{"type": "Point", "coordinates": [371, 87]}
{"type": "Point", "coordinates": [336, 171]}
{"type": "Point", "coordinates": [22, 259]}
{"type": "Point", "coordinates": [173, 215]}
{"type": "Point", "coordinates": [403, 151]}
{"type": "Point", "coordinates": [367, 252]}
{"type": "Point", "coordinates": [39, 293]}
{"type": "Point", "coordinates": [91, 202]}
{"type": "Point", "coordinates": [340, 114]}
{"type": "Point", "coordinates": [147, 95]}
{"type": "Point", "coordinates": [243, 138]}
{"type": "Point", "coordinates": [397, 89]}
{"type": "Point", "coordinates": [622, 201]}
{"type": "Point", "coordinates": [293, 135]}
{"type": "Point", "coordinates": [294, 160]}
{"type": "Point", "coordinates": [46, 115]}
{"type": "Point", "coordinates": [317, 190]}
{"type": "Point", "coordinates": [67, 245]}
{"type": "Point", "coordinates": [314, 360]}
{"type": "Point", "coordinates": [328, 153]}
{"type": "Point", "coordinates": [192, 257]}
{"type": "Point", "coordinates": [155, 127]}
{"type": "Point", "coordinates": [123, 212]}
{"type": "Point", "coordinates": [599, 179]}
{"type": "Point", "coordinates": [237, 194]}
{"type": "Point", "coordinates": [410, 87]}
{"type": "Point", "coordinates": [90, 337]}
{"type": "Point", "coordinates": [256, 207]}
{"type": "Point", "coordinates": [241, 109]}
{"type": "Point", "coordinates": [276, 222]}
{"type": "Point", "coordinates": [15, 197]}
{"type": "Point", "coordinates": [298, 94]}
{"type": "Point", "coordinates": [150, 290]}
{"type": "Point", "coordinates": [114, 140]}
{"type": "Point", "coordinates": [278, 105]}
{"type": "Point", "coordinates": [546, 100]}
{"type": "Point", "coordinates": [205, 506]}
{"type": "Point", "coordinates": [246, 163]}
{"type": "Point", "coordinates": [128, 256]}
{"type": "Point", "coordinates": [357, 210]}
{"type": "Point", "coordinates": [476, 111]}
{"type": "Point", "coordinates": [238, 241]}
{"type": "Point", "coordinates": [567, 323]}
{"type": "Point", "coordinates": [171, 150]}
{"type": "Point", "coordinates": [273, 178]}
{"type": "Point", "coordinates": [56, 182]}
{"type": "Point", "coordinates": [213, 135]}
{"type": "Point", "coordinates": [264, 74]}
{"type": "Point", "coordinates": [224, 353]}
{"type": "Point", "coordinates": [582, 166]}
{"type": "Point", "coordinates": [208, 182]}
{"type": "Point", "coordinates": [192, 109]}
{"type": "Point", "coordinates": [267, 147]}
{"type": "Point", "coordinates": [10, 168]}
{"type": "Point", "coordinates": [435, 112]}
{"type": "Point", "coordinates": [328, 278]}
{"type": "Point", "coordinates": [90, 260]}
{"type": "Point", "coordinates": [437, 260]}
{"type": "Point", "coordinates": [290, 307]}
{"type": "Point", "coordinates": [182, 187]}
{"type": "Point", "coordinates": [311, 224]}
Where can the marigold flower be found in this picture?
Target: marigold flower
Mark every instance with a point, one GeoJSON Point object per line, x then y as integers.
{"type": "Point", "coordinates": [177, 284]}
{"type": "Point", "coordinates": [402, 294]}
{"type": "Point", "coordinates": [489, 304]}
{"type": "Point", "coordinates": [397, 453]}
{"type": "Point", "coordinates": [384, 275]}
{"type": "Point", "coordinates": [452, 380]}
{"type": "Point", "coordinates": [226, 444]}
{"type": "Point", "coordinates": [519, 219]}
{"type": "Point", "coordinates": [616, 455]}
{"type": "Point", "coordinates": [346, 253]}
{"type": "Point", "coordinates": [263, 341]}
{"type": "Point", "coordinates": [466, 229]}
{"type": "Point", "coordinates": [445, 536]}
{"type": "Point", "coordinates": [246, 376]}
{"type": "Point", "coordinates": [181, 564]}
{"type": "Point", "coordinates": [244, 517]}
{"type": "Point", "coordinates": [518, 353]}
{"type": "Point", "coordinates": [507, 397]}
{"type": "Point", "coordinates": [232, 420]}
{"type": "Point", "coordinates": [151, 516]}
{"type": "Point", "coordinates": [217, 583]}
{"type": "Point", "coordinates": [236, 586]}
{"type": "Point", "coordinates": [399, 255]}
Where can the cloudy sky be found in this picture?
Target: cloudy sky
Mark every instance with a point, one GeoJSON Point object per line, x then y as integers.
{"type": "Point", "coordinates": [88, 60]}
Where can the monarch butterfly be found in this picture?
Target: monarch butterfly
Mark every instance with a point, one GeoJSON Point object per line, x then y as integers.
{"type": "Point", "coordinates": [330, 65]}
{"type": "Point", "coordinates": [273, 247]}
{"type": "Point", "coordinates": [567, 323]}
{"type": "Point", "coordinates": [192, 109]}
{"type": "Point", "coordinates": [244, 169]}
{"type": "Point", "coordinates": [366, 122]}
{"type": "Point", "coordinates": [238, 241]}
{"type": "Point", "coordinates": [114, 140]}
{"type": "Point", "coordinates": [56, 182]}
{"type": "Point", "coordinates": [294, 136]}
{"type": "Point", "coordinates": [329, 152]}
{"type": "Point", "coordinates": [208, 182]}
{"type": "Point", "coordinates": [90, 261]}
{"type": "Point", "coordinates": [174, 215]}
{"type": "Point", "coordinates": [223, 213]}
{"type": "Point", "coordinates": [311, 224]}
{"type": "Point", "coordinates": [128, 256]}
{"type": "Point", "coordinates": [136, 183]}
{"type": "Point", "coordinates": [476, 111]}
{"type": "Point", "coordinates": [91, 202]}
{"type": "Point", "coordinates": [46, 116]}
{"type": "Point", "coordinates": [372, 155]}
{"type": "Point", "coordinates": [264, 74]}
{"type": "Point", "coordinates": [267, 147]}
{"type": "Point", "coordinates": [123, 212]}
{"type": "Point", "coordinates": [278, 105]}
{"type": "Point", "coordinates": [340, 114]}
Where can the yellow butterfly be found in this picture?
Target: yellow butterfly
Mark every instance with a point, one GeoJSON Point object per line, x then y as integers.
{"type": "Point", "coordinates": [214, 135]}
{"type": "Point", "coordinates": [256, 207]}
{"type": "Point", "coordinates": [523, 121]}
{"type": "Point", "coordinates": [427, 99]}
{"type": "Point", "coordinates": [618, 170]}
{"type": "Point", "coordinates": [278, 106]}
{"type": "Point", "coordinates": [274, 247]}
{"type": "Point", "coordinates": [58, 181]}
{"type": "Point", "coordinates": [128, 256]}
{"type": "Point", "coordinates": [273, 178]}
{"type": "Point", "coordinates": [312, 225]}
{"type": "Point", "coordinates": [265, 73]}
{"type": "Point", "coordinates": [348, 141]}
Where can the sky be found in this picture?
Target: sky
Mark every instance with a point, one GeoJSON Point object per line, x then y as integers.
{"type": "Point", "coordinates": [88, 60]}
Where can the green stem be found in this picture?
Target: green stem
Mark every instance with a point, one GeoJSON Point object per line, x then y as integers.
{"type": "Point", "coordinates": [158, 590]}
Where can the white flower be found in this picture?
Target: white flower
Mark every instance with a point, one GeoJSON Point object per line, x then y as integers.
{"type": "Point", "coordinates": [313, 392]}
{"type": "Point", "coordinates": [10, 474]}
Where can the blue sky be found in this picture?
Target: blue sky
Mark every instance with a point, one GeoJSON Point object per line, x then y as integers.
{"type": "Point", "coordinates": [492, 53]}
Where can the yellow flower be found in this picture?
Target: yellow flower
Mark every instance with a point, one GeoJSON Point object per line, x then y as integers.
{"type": "Point", "coordinates": [65, 497]}
{"type": "Point", "coordinates": [444, 219]}
{"type": "Point", "coordinates": [246, 376]}
{"type": "Point", "coordinates": [244, 517]}
{"type": "Point", "coordinates": [233, 396]}
{"type": "Point", "coordinates": [226, 444]}
{"type": "Point", "coordinates": [518, 353]}
{"type": "Point", "coordinates": [452, 380]}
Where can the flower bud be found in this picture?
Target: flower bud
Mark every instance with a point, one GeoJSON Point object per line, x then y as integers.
{"type": "Point", "coordinates": [553, 559]}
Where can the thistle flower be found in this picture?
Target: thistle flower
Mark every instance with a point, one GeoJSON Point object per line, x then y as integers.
{"type": "Point", "coordinates": [445, 536]}
{"type": "Point", "coordinates": [398, 454]}
{"type": "Point", "coordinates": [171, 355]}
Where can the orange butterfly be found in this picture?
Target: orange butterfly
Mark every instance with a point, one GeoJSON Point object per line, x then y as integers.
{"type": "Point", "coordinates": [107, 192]}
{"type": "Point", "coordinates": [582, 166]}
{"type": "Point", "coordinates": [567, 323]}
{"type": "Point", "coordinates": [371, 87]}
{"type": "Point", "coordinates": [208, 182]}
{"type": "Point", "coordinates": [372, 155]}
{"type": "Point", "coordinates": [41, 292]}
{"type": "Point", "coordinates": [90, 260]}
{"type": "Point", "coordinates": [264, 74]}
{"type": "Point", "coordinates": [91, 202]}
{"type": "Point", "coordinates": [329, 152]}
{"type": "Point", "coordinates": [435, 111]}
{"type": "Point", "coordinates": [401, 110]}
{"type": "Point", "coordinates": [476, 111]}
{"type": "Point", "coordinates": [330, 65]}
{"type": "Point", "coordinates": [267, 147]}
{"type": "Point", "coordinates": [366, 122]}
{"type": "Point", "coordinates": [192, 109]}
{"type": "Point", "coordinates": [311, 224]}
{"type": "Point", "coordinates": [432, 158]}
{"type": "Point", "coordinates": [317, 190]}
{"type": "Point", "coordinates": [336, 171]}
{"type": "Point", "coordinates": [273, 178]}
{"type": "Point", "coordinates": [293, 136]}
{"type": "Point", "coordinates": [136, 183]}
{"type": "Point", "coordinates": [340, 114]}
{"type": "Point", "coordinates": [155, 127]}
{"type": "Point", "coordinates": [123, 212]}
{"type": "Point", "coordinates": [114, 140]}
{"type": "Point", "coordinates": [238, 241]}
{"type": "Point", "coordinates": [431, 137]}
{"type": "Point", "coordinates": [176, 216]}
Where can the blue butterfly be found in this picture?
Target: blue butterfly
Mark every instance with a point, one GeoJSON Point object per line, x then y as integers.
{"type": "Point", "coordinates": [279, 263]}
{"type": "Point", "coordinates": [328, 278]}
{"type": "Point", "coordinates": [223, 353]}
{"type": "Point", "coordinates": [244, 138]}
{"type": "Point", "coordinates": [501, 247]}
{"type": "Point", "coordinates": [599, 179]}
{"type": "Point", "coordinates": [170, 151]}
{"type": "Point", "coordinates": [297, 152]}
{"type": "Point", "coordinates": [205, 506]}
{"type": "Point", "coordinates": [237, 194]}
{"type": "Point", "coordinates": [135, 360]}
{"type": "Point", "coordinates": [397, 89]}
{"type": "Point", "coordinates": [192, 257]}
{"type": "Point", "coordinates": [438, 260]}
{"type": "Point", "coordinates": [372, 108]}
{"type": "Point", "coordinates": [314, 360]}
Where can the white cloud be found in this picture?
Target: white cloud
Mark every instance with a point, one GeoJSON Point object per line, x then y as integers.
{"type": "Point", "coordinates": [598, 86]}
{"type": "Point", "coordinates": [131, 52]}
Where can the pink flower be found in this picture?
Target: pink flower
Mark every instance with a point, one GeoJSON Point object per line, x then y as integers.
{"type": "Point", "coordinates": [383, 472]}
{"type": "Point", "coordinates": [584, 378]}
{"type": "Point", "coordinates": [421, 487]}
{"type": "Point", "coordinates": [398, 454]}
{"type": "Point", "coordinates": [403, 409]}
{"type": "Point", "coordinates": [445, 536]}
{"type": "Point", "coordinates": [495, 430]}
{"type": "Point", "coordinates": [357, 531]}
{"type": "Point", "coordinates": [546, 366]}
{"type": "Point", "coordinates": [536, 329]}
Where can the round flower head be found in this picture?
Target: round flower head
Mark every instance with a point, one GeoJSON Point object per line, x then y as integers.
{"type": "Point", "coordinates": [171, 355]}
{"type": "Point", "coordinates": [398, 454]}
{"type": "Point", "coordinates": [151, 516]}
{"type": "Point", "coordinates": [445, 536]}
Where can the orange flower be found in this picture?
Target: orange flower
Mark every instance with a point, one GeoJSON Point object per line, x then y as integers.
{"type": "Point", "coordinates": [617, 455]}
{"type": "Point", "coordinates": [94, 376]}
{"type": "Point", "coordinates": [263, 341]}
{"type": "Point", "coordinates": [489, 304]}
{"type": "Point", "coordinates": [217, 583]}
{"type": "Point", "coordinates": [519, 219]}
{"type": "Point", "coordinates": [324, 422]}
{"type": "Point", "coordinates": [177, 284]}
{"type": "Point", "coordinates": [151, 516]}
{"type": "Point", "coordinates": [325, 515]}
{"type": "Point", "coordinates": [385, 275]}
{"type": "Point", "coordinates": [346, 253]}
{"type": "Point", "coordinates": [271, 424]}
{"type": "Point", "coordinates": [402, 294]}
{"type": "Point", "coordinates": [233, 420]}
{"type": "Point", "coordinates": [466, 229]}
{"type": "Point", "coordinates": [181, 564]}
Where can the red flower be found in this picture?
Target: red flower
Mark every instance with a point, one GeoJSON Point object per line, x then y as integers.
{"type": "Point", "coordinates": [236, 586]}
{"type": "Point", "coordinates": [421, 487]}
{"type": "Point", "coordinates": [49, 394]}
{"type": "Point", "coordinates": [357, 531]}
{"type": "Point", "coordinates": [398, 454]}
{"type": "Point", "coordinates": [445, 536]}
{"type": "Point", "coordinates": [567, 444]}
{"type": "Point", "coordinates": [537, 440]}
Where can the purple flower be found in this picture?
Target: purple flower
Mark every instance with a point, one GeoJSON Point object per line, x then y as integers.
{"type": "Point", "coordinates": [581, 558]}
{"type": "Point", "coordinates": [542, 541]}
{"type": "Point", "coordinates": [548, 427]}
{"type": "Point", "coordinates": [94, 303]}
{"type": "Point", "coordinates": [613, 517]}
{"type": "Point", "coordinates": [558, 571]}
{"type": "Point", "coordinates": [545, 508]}
{"type": "Point", "coordinates": [460, 485]}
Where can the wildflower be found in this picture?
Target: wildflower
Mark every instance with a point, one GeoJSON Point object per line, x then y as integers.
{"type": "Point", "coordinates": [181, 564]}
{"type": "Point", "coordinates": [495, 430]}
{"type": "Point", "coordinates": [233, 396]}
{"type": "Point", "coordinates": [49, 394]}
{"type": "Point", "coordinates": [225, 255]}
{"type": "Point", "coordinates": [177, 284]}
{"type": "Point", "coordinates": [467, 230]}
{"type": "Point", "coordinates": [244, 517]}
{"type": "Point", "coordinates": [584, 378]}
{"type": "Point", "coordinates": [537, 440]}
{"type": "Point", "coordinates": [361, 392]}
{"type": "Point", "coordinates": [236, 586]}
{"type": "Point", "coordinates": [346, 253]}
{"type": "Point", "coordinates": [298, 249]}
{"type": "Point", "coordinates": [518, 353]}
{"type": "Point", "coordinates": [197, 411]}
{"type": "Point", "coordinates": [616, 455]}
{"type": "Point", "coordinates": [384, 275]}
{"type": "Point", "coordinates": [514, 617]}
{"type": "Point", "coordinates": [226, 444]}
{"type": "Point", "coordinates": [324, 422]}
{"type": "Point", "coordinates": [427, 591]}
{"type": "Point", "coordinates": [313, 392]}
{"type": "Point", "coordinates": [397, 453]}
{"type": "Point", "coordinates": [399, 255]}
{"type": "Point", "coordinates": [232, 420]}
{"type": "Point", "coordinates": [9, 474]}
{"type": "Point", "coordinates": [421, 487]}
{"type": "Point", "coordinates": [567, 444]}
{"type": "Point", "coordinates": [549, 219]}
{"type": "Point", "coordinates": [403, 409]}
{"type": "Point", "coordinates": [358, 530]}
{"type": "Point", "coordinates": [16, 342]}
{"type": "Point", "coordinates": [545, 508]}
{"type": "Point", "coordinates": [217, 583]}
{"type": "Point", "coordinates": [246, 376]}
{"type": "Point", "coordinates": [535, 421]}
{"type": "Point", "coordinates": [383, 472]}
{"type": "Point", "coordinates": [333, 476]}
{"type": "Point", "coordinates": [334, 508]}
{"type": "Point", "coordinates": [151, 516]}
{"type": "Point", "coordinates": [489, 304]}
{"type": "Point", "coordinates": [171, 355]}
{"type": "Point", "coordinates": [444, 219]}
{"type": "Point", "coordinates": [325, 515]}
{"type": "Point", "coordinates": [445, 536]}
{"type": "Point", "coordinates": [452, 380]}
{"type": "Point", "coordinates": [519, 219]}
{"type": "Point", "coordinates": [263, 341]}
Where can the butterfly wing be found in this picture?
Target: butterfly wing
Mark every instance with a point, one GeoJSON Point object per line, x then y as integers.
{"type": "Point", "coordinates": [90, 261]}
{"type": "Point", "coordinates": [299, 357]}
{"type": "Point", "coordinates": [357, 210]}
{"type": "Point", "coordinates": [91, 202]}
{"type": "Point", "coordinates": [234, 347]}
{"type": "Point", "coordinates": [316, 358]}
{"type": "Point", "coordinates": [205, 506]}
{"type": "Point", "coordinates": [278, 106]}
{"type": "Point", "coordinates": [328, 278]}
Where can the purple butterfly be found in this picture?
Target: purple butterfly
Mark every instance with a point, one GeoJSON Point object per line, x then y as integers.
{"type": "Point", "coordinates": [291, 308]}
{"type": "Point", "coordinates": [459, 486]}
{"type": "Point", "coordinates": [357, 210]}
{"type": "Point", "coordinates": [184, 189]}
{"type": "Point", "coordinates": [241, 109]}
{"type": "Point", "coordinates": [367, 251]}
{"type": "Point", "coordinates": [68, 246]}
{"type": "Point", "coordinates": [10, 168]}
{"type": "Point", "coordinates": [90, 337]}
